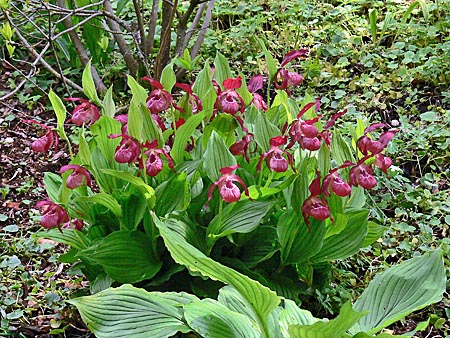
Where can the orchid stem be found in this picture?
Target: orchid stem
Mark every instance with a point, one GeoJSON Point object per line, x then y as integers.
{"type": "Point", "coordinates": [269, 179]}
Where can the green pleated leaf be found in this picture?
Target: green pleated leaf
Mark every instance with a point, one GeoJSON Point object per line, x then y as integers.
{"type": "Point", "coordinates": [260, 299]}
{"type": "Point", "coordinates": [53, 184]}
{"type": "Point", "coordinates": [340, 149]}
{"type": "Point", "coordinates": [216, 156]}
{"type": "Point", "coordinates": [272, 65]}
{"type": "Point", "coordinates": [101, 129]}
{"type": "Point", "coordinates": [59, 108]}
{"type": "Point", "coordinates": [126, 256]}
{"type": "Point", "coordinates": [183, 135]}
{"type": "Point", "coordinates": [400, 290]}
{"type": "Point", "coordinates": [264, 130]}
{"type": "Point", "coordinates": [291, 315]}
{"type": "Point", "coordinates": [172, 195]}
{"type": "Point", "coordinates": [239, 217]}
{"type": "Point", "coordinates": [104, 199]}
{"type": "Point", "coordinates": [84, 151]}
{"type": "Point", "coordinates": [204, 88]}
{"type": "Point", "coordinates": [375, 231]}
{"type": "Point", "coordinates": [73, 238]}
{"type": "Point", "coordinates": [222, 69]}
{"type": "Point", "coordinates": [168, 77]}
{"type": "Point", "coordinates": [260, 247]}
{"type": "Point", "coordinates": [234, 301]}
{"type": "Point", "coordinates": [346, 242]}
{"type": "Point", "coordinates": [243, 91]}
{"type": "Point", "coordinates": [332, 329]}
{"type": "Point", "coordinates": [109, 107]}
{"type": "Point", "coordinates": [138, 182]}
{"type": "Point", "coordinates": [131, 312]}
{"type": "Point", "coordinates": [211, 319]}
{"type": "Point", "coordinates": [133, 209]}
{"type": "Point", "coordinates": [297, 243]}
{"type": "Point", "coordinates": [89, 86]}
{"type": "Point", "coordinates": [140, 123]}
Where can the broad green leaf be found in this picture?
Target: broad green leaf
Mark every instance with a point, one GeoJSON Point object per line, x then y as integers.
{"type": "Point", "coordinates": [211, 319]}
{"type": "Point", "coordinates": [234, 301]}
{"type": "Point", "coordinates": [125, 256]}
{"type": "Point", "coordinates": [133, 209]}
{"type": "Point", "coordinates": [89, 86]}
{"type": "Point", "coordinates": [131, 312]}
{"type": "Point", "coordinates": [272, 65]}
{"type": "Point", "coordinates": [240, 217]}
{"type": "Point", "coordinates": [137, 90]}
{"type": "Point", "coordinates": [243, 91]}
{"type": "Point", "coordinates": [216, 156]}
{"type": "Point", "coordinates": [101, 130]}
{"type": "Point", "coordinates": [261, 246]}
{"type": "Point", "coordinates": [73, 238]}
{"type": "Point", "coordinates": [53, 184]}
{"type": "Point", "coordinates": [109, 107]}
{"type": "Point", "coordinates": [172, 195]}
{"type": "Point", "coordinates": [225, 125]}
{"type": "Point", "coordinates": [264, 130]}
{"type": "Point", "coordinates": [168, 77]}
{"type": "Point", "coordinates": [204, 88]}
{"type": "Point", "coordinates": [84, 151]}
{"type": "Point", "coordinates": [222, 69]}
{"type": "Point", "coordinates": [400, 290]}
{"type": "Point", "coordinates": [99, 163]}
{"type": "Point", "coordinates": [138, 182]}
{"type": "Point", "coordinates": [291, 315]}
{"type": "Point", "coordinates": [260, 299]}
{"type": "Point", "coordinates": [373, 24]}
{"type": "Point", "coordinates": [375, 231]}
{"type": "Point", "coordinates": [324, 159]}
{"type": "Point", "coordinates": [135, 119]}
{"type": "Point", "coordinates": [104, 199]}
{"type": "Point", "coordinates": [340, 149]}
{"type": "Point", "coordinates": [365, 335]}
{"type": "Point", "coordinates": [182, 136]}
{"type": "Point", "coordinates": [297, 243]}
{"type": "Point", "coordinates": [346, 242]}
{"type": "Point", "coordinates": [59, 108]}
{"type": "Point", "coordinates": [332, 329]}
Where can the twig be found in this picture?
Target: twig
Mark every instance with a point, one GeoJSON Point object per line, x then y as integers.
{"type": "Point", "coordinates": [150, 39]}
{"type": "Point", "coordinates": [203, 30]}
{"type": "Point", "coordinates": [131, 63]}
{"type": "Point", "coordinates": [84, 58]}
{"type": "Point", "coordinates": [164, 49]}
{"type": "Point", "coordinates": [26, 44]}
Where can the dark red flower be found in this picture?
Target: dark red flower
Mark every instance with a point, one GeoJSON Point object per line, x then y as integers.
{"type": "Point", "coordinates": [241, 146]}
{"type": "Point", "coordinates": [158, 99]}
{"type": "Point", "coordinates": [315, 207]}
{"type": "Point", "coordinates": [229, 101]}
{"type": "Point", "coordinates": [194, 100]}
{"type": "Point", "coordinates": [383, 162]}
{"type": "Point", "coordinates": [53, 215]}
{"type": "Point", "coordinates": [79, 177]}
{"type": "Point", "coordinates": [362, 175]}
{"type": "Point", "coordinates": [84, 113]}
{"type": "Point", "coordinates": [154, 164]}
{"type": "Point", "coordinates": [128, 150]}
{"type": "Point", "coordinates": [45, 142]}
{"type": "Point", "coordinates": [228, 191]}
{"type": "Point", "coordinates": [275, 160]}
{"type": "Point", "coordinates": [334, 182]}
{"type": "Point", "coordinates": [76, 224]}
{"type": "Point", "coordinates": [255, 84]}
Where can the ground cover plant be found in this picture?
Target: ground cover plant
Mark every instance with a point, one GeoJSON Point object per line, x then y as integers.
{"type": "Point", "coordinates": [228, 248]}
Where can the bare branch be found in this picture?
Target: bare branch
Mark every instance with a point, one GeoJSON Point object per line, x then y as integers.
{"type": "Point", "coordinates": [203, 30]}
{"type": "Point", "coordinates": [84, 58]}
{"type": "Point", "coordinates": [150, 39]}
{"type": "Point", "coordinates": [131, 63]}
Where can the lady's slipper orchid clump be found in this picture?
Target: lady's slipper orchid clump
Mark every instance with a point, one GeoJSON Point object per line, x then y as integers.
{"type": "Point", "coordinates": [128, 150]}
{"type": "Point", "coordinates": [53, 215]}
{"type": "Point", "coordinates": [84, 113]}
{"type": "Point", "coordinates": [159, 99]}
{"type": "Point", "coordinates": [228, 191]}
{"type": "Point", "coordinates": [154, 164]}
{"type": "Point", "coordinates": [275, 160]}
{"type": "Point", "coordinates": [79, 177]}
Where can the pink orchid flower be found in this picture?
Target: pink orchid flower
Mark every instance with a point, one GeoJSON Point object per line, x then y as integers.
{"type": "Point", "coordinates": [53, 215]}
{"type": "Point", "coordinates": [275, 160]}
{"type": "Point", "coordinates": [79, 177]}
{"type": "Point", "coordinates": [154, 164]}
{"type": "Point", "coordinates": [44, 143]}
{"type": "Point", "coordinates": [84, 113]}
{"type": "Point", "coordinates": [158, 99]}
{"type": "Point", "coordinates": [128, 150]}
{"type": "Point", "coordinates": [228, 191]}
